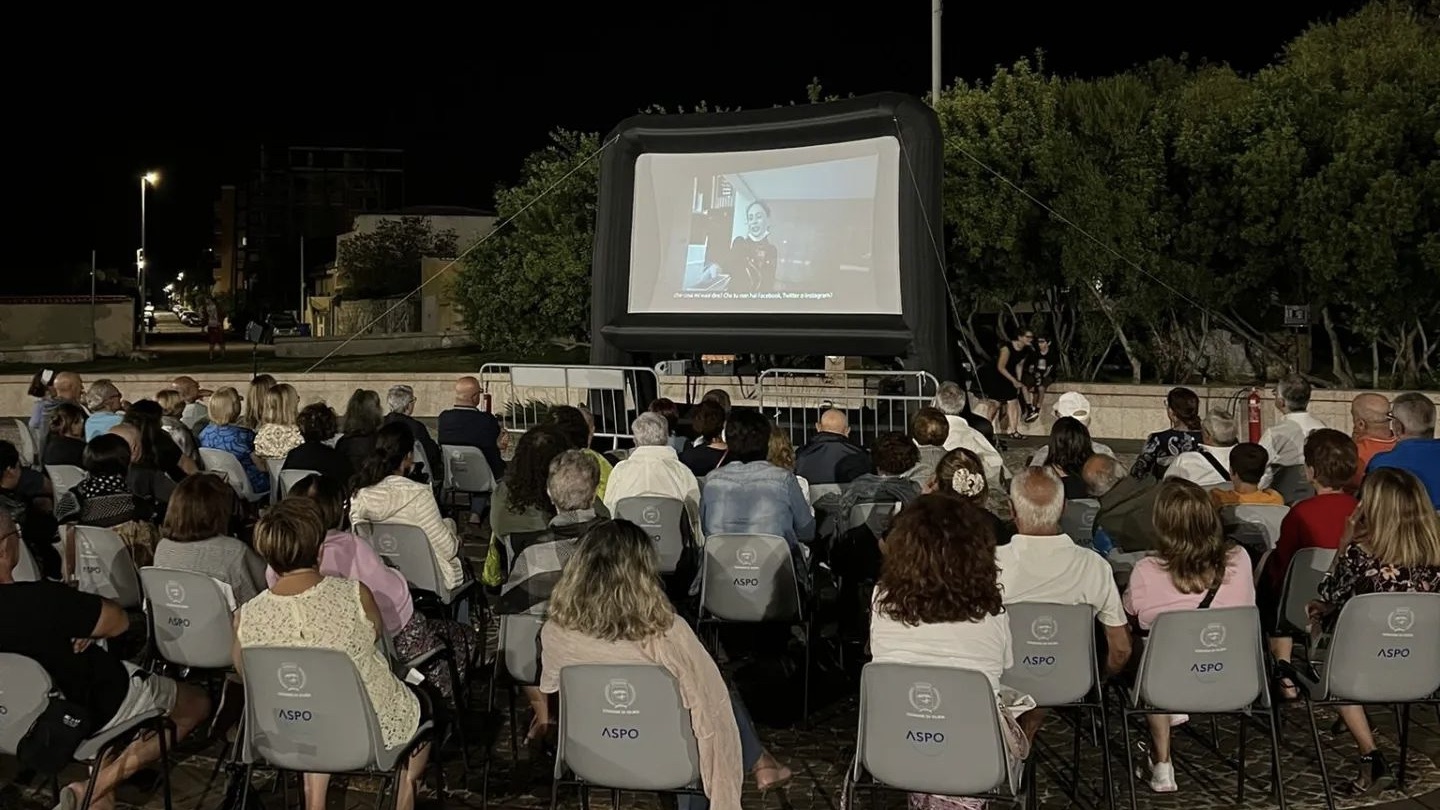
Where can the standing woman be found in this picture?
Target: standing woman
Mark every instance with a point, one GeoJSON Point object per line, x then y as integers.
{"type": "Point", "coordinates": [1044, 365]}
{"type": "Point", "coordinates": [1006, 383]}
{"type": "Point", "coordinates": [42, 388]}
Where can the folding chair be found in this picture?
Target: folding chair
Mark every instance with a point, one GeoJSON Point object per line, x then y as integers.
{"type": "Point", "coordinates": [624, 727]}
{"type": "Point", "coordinates": [190, 618]}
{"type": "Point", "coordinates": [666, 521]}
{"type": "Point", "coordinates": [407, 548]}
{"type": "Point", "coordinates": [874, 516]}
{"type": "Point", "coordinates": [289, 478]}
{"type": "Point", "coordinates": [1078, 520]}
{"type": "Point", "coordinates": [1207, 661]}
{"type": "Point", "coordinates": [466, 472]}
{"type": "Point", "coordinates": [228, 467]}
{"type": "Point", "coordinates": [64, 477]}
{"type": "Point", "coordinates": [1056, 664]}
{"type": "Point", "coordinates": [25, 693]}
{"type": "Point", "coordinates": [1302, 584]}
{"type": "Point", "coordinates": [273, 466]}
{"type": "Point", "coordinates": [104, 567]}
{"type": "Point", "coordinates": [927, 729]}
{"type": "Point", "coordinates": [1292, 484]}
{"type": "Point", "coordinates": [517, 658]}
{"type": "Point", "coordinates": [1254, 526]}
{"type": "Point", "coordinates": [28, 454]}
{"type": "Point", "coordinates": [26, 569]}
{"type": "Point", "coordinates": [1382, 651]}
{"type": "Point", "coordinates": [751, 578]}
{"type": "Point", "coordinates": [307, 711]}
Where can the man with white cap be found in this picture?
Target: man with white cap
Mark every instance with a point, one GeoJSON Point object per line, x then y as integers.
{"type": "Point", "coordinates": [1072, 404]}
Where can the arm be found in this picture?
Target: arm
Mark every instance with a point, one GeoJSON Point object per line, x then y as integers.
{"type": "Point", "coordinates": [803, 519]}
{"type": "Point", "coordinates": [251, 576]}
{"type": "Point", "coordinates": [1111, 613]}
{"type": "Point", "coordinates": [1117, 642]}
{"type": "Point", "coordinates": [112, 622]}
{"type": "Point", "coordinates": [1001, 362]}
{"type": "Point", "coordinates": [372, 610]}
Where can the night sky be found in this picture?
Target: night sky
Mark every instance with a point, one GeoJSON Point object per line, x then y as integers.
{"type": "Point", "coordinates": [468, 95]}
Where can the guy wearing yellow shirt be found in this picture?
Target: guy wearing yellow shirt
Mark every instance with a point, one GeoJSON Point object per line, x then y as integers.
{"type": "Point", "coordinates": [1247, 466]}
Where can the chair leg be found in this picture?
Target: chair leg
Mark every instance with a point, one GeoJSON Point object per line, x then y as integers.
{"type": "Point", "coordinates": [1402, 718]}
{"type": "Point", "coordinates": [1130, 757]}
{"type": "Point", "coordinates": [1240, 760]}
{"type": "Point", "coordinates": [1319, 756]}
{"type": "Point", "coordinates": [246, 774]}
{"type": "Point", "coordinates": [1082, 719]}
{"type": "Point", "coordinates": [1031, 793]}
{"type": "Point", "coordinates": [805, 678]}
{"type": "Point", "coordinates": [1106, 755]}
{"type": "Point", "coordinates": [1274, 727]}
{"type": "Point", "coordinates": [166, 730]}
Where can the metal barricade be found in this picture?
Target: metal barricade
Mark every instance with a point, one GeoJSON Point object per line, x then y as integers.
{"type": "Point", "coordinates": [875, 401]}
{"type": "Point", "coordinates": [523, 394]}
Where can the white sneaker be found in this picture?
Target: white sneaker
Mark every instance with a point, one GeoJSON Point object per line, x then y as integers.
{"type": "Point", "coordinates": [1179, 720]}
{"type": "Point", "coordinates": [1162, 777]}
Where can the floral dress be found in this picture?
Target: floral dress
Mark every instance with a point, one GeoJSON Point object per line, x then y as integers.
{"type": "Point", "coordinates": [1357, 572]}
{"type": "Point", "coordinates": [276, 441]}
{"type": "Point", "coordinates": [1161, 449]}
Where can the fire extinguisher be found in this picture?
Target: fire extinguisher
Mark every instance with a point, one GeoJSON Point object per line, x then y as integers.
{"type": "Point", "coordinates": [485, 398]}
{"type": "Point", "coordinates": [1254, 415]}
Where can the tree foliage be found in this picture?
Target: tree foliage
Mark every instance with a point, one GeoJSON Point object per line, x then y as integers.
{"type": "Point", "coordinates": [1131, 215]}
{"type": "Point", "coordinates": [385, 262]}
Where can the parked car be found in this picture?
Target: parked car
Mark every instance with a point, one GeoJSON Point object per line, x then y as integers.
{"type": "Point", "coordinates": [192, 318]}
{"type": "Point", "coordinates": [282, 324]}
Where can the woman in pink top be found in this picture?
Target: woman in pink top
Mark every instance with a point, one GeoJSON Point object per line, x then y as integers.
{"type": "Point", "coordinates": [1193, 566]}
{"type": "Point", "coordinates": [345, 555]}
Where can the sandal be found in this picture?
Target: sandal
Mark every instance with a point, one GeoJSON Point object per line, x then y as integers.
{"type": "Point", "coordinates": [782, 777]}
{"type": "Point", "coordinates": [1374, 775]}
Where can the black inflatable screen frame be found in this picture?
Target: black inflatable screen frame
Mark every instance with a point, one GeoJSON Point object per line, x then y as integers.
{"type": "Point", "coordinates": [919, 332]}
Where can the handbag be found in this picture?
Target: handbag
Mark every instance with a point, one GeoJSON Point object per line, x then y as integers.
{"type": "Point", "coordinates": [50, 744]}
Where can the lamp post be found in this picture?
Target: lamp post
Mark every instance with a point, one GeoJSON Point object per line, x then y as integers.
{"type": "Point", "coordinates": [147, 180]}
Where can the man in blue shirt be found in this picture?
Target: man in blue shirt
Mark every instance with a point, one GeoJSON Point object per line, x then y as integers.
{"type": "Point", "coordinates": [1416, 448]}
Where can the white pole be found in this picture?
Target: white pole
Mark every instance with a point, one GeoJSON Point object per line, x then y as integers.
{"type": "Point", "coordinates": [935, 80]}
{"type": "Point", "coordinates": [140, 275]}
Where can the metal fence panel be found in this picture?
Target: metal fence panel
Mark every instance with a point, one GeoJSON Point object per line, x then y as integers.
{"type": "Point", "coordinates": [875, 401]}
{"type": "Point", "coordinates": [522, 395]}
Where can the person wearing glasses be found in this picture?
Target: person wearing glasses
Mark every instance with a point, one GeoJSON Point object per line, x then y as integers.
{"type": "Point", "coordinates": [1417, 450]}
{"type": "Point", "coordinates": [1043, 366]}
{"type": "Point", "coordinates": [1005, 381]}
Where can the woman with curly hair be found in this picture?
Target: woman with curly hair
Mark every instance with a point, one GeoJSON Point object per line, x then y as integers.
{"type": "Point", "coordinates": [938, 603]}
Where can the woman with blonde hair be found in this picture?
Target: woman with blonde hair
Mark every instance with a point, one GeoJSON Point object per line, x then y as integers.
{"type": "Point", "coordinates": [225, 433]}
{"type": "Point", "coordinates": [609, 608]}
{"type": "Point", "coordinates": [1391, 544]}
{"type": "Point", "coordinates": [278, 434]}
{"type": "Point", "coordinates": [260, 385]}
{"type": "Point", "coordinates": [1194, 566]}
{"type": "Point", "coordinates": [781, 453]}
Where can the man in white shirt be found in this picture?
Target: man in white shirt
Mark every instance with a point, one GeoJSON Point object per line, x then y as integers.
{"type": "Point", "coordinates": [195, 414]}
{"type": "Point", "coordinates": [1285, 440]}
{"type": "Point", "coordinates": [653, 469]}
{"type": "Point", "coordinates": [1043, 564]}
{"type": "Point", "coordinates": [1210, 465]}
{"type": "Point", "coordinates": [950, 399]}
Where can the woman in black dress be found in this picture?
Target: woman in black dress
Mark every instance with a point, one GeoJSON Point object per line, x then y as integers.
{"type": "Point", "coordinates": [1005, 382]}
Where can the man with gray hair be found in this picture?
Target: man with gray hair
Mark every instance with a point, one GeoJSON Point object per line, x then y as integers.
{"type": "Point", "coordinates": [951, 400]}
{"type": "Point", "coordinates": [1209, 464]}
{"type": "Point", "coordinates": [654, 470]}
{"type": "Point", "coordinates": [400, 400]}
{"type": "Point", "coordinates": [1043, 564]}
{"type": "Point", "coordinates": [1127, 506]}
{"type": "Point", "coordinates": [1285, 440]}
{"type": "Point", "coordinates": [534, 560]}
{"type": "Point", "coordinates": [1417, 450]}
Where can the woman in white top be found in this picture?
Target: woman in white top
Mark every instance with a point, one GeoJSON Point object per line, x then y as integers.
{"type": "Point", "coordinates": [384, 495]}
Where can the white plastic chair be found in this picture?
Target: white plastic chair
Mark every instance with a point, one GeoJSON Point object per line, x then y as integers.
{"type": "Point", "coordinates": [28, 454]}
{"type": "Point", "coordinates": [64, 477]}
{"type": "Point", "coordinates": [228, 466]}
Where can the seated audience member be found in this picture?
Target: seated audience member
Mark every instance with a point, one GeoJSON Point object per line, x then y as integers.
{"type": "Point", "coordinates": [1066, 453]}
{"type": "Point", "coordinates": [1074, 405]}
{"type": "Point", "coordinates": [157, 463]}
{"type": "Point", "coordinates": [749, 495]}
{"type": "Point", "coordinates": [103, 401]}
{"type": "Point", "coordinates": [938, 600]}
{"type": "Point", "coordinates": [967, 430]}
{"type": "Point", "coordinates": [383, 494]}
{"type": "Point", "coordinates": [960, 474]}
{"type": "Point", "coordinates": [1194, 566]}
{"type": "Point", "coordinates": [196, 537]}
{"type": "Point", "coordinates": [579, 429]}
{"type": "Point", "coordinates": [533, 560]}
{"type": "Point", "coordinates": [892, 456]}
{"type": "Point", "coordinates": [172, 407]}
{"type": "Point", "coordinates": [56, 626]}
{"type": "Point", "coordinates": [278, 434]}
{"type": "Point", "coordinates": [1371, 426]}
{"type": "Point", "coordinates": [520, 503]}
{"type": "Point", "coordinates": [781, 453]}
{"type": "Point", "coordinates": [609, 608]}
{"type": "Point", "coordinates": [929, 429]}
{"type": "Point", "coordinates": [28, 502]}
{"type": "Point", "coordinates": [1208, 465]}
{"type": "Point", "coordinates": [195, 414]}
{"type": "Point", "coordinates": [708, 420]}
{"type": "Point", "coordinates": [1315, 522]}
{"type": "Point", "coordinates": [401, 400]}
{"type": "Point", "coordinates": [1248, 463]}
{"type": "Point", "coordinates": [225, 433]}
{"type": "Point", "coordinates": [359, 426]}
{"type": "Point", "coordinates": [654, 469]}
{"type": "Point", "coordinates": [42, 390]}
{"type": "Point", "coordinates": [307, 609]}
{"type": "Point", "coordinates": [720, 397]}
{"type": "Point", "coordinates": [254, 400]}
{"type": "Point", "coordinates": [344, 555]}
{"type": "Point", "coordinates": [670, 412]}
{"type": "Point", "coordinates": [830, 457]}
{"type": "Point", "coordinates": [317, 424]}
{"type": "Point", "coordinates": [1127, 506]}
{"type": "Point", "coordinates": [66, 443]}
{"type": "Point", "coordinates": [1391, 545]}
{"type": "Point", "coordinates": [463, 424]}
{"type": "Point", "coordinates": [105, 499]}
{"type": "Point", "coordinates": [1284, 441]}
{"type": "Point", "coordinates": [1417, 451]}
{"type": "Point", "coordinates": [1182, 407]}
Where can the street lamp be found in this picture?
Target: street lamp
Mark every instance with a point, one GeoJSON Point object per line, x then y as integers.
{"type": "Point", "coordinates": [147, 180]}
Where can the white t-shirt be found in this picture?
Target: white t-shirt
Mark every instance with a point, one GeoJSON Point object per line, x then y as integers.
{"type": "Point", "coordinates": [1054, 569]}
{"type": "Point", "coordinates": [983, 646]}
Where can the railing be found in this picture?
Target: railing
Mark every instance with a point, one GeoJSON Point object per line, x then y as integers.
{"type": "Point", "coordinates": [522, 395]}
{"type": "Point", "coordinates": [875, 401]}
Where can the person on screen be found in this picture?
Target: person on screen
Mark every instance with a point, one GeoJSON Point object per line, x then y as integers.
{"type": "Point", "coordinates": [753, 252]}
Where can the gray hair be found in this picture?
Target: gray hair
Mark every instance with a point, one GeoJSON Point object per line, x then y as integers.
{"type": "Point", "coordinates": [950, 398]}
{"type": "Point", "coordinates": [98, 392]}
{"type": "Point", "coordinates": [1221, 426]}
{"type": "Point", "coordinates": [1102, 473]}
{"type": "Point", "coordinates": [1415, 413]}
{"type": "Point", "coordinates": [1294, 391]}
{"type": "Point", "coordinates": [1038, 499]}
{"type": "Point", "coordinates": [574, 475]}
{"type": "Point", "coordinates": [650, 430]}
{"type": "Point", "coordinates": [399, 397]}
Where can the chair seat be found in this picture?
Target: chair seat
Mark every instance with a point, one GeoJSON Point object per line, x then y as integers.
{"type": "Point", "coordinates": [388, 758]}
{"type": "Point", "coordinates": [91, 747]}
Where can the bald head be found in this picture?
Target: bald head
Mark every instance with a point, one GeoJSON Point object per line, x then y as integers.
{"type": "Point", "coordinates": [1101, 474]}
{"type": "Point", "coordinates": [467, 391]}
{"type": "Point", "coordinates": [69, 387]}
{"type": "Point", "coordinates": [188, 388]}
{"type": "Point", "coordinates": [834, 421]}
{"type": "Point", "coordinates": [1370, 415]}
{"type": "Point", "coordinates": [131, 435]}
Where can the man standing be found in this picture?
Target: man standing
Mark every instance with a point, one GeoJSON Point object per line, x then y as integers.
{"type": "Point", "coordinates": [1370, 428]}
{"type": "Point", "coordinates": [465, 425]}
{"type": "Point", "coordinates": [214, 327]}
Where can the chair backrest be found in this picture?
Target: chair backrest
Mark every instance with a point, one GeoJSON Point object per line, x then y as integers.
{"type": "Point", "coordinates": [625, 727]}
{"type": "Point", "coordinates": [1384, 649]}
{"type": "Point", "coordinates": [1203, 661]}
{"type": "Point", "coordinates": [748, 578]}
{"type": "Point", "coordinates": [64, 477]}
{"type": "Point", "coordinates": [874, 516]}
{"type": "Point", "coordinates": [26, 569]}
{"type": "Point", "coordinates": [227, 466]}
{"type": "Point", "coordinates": [291, 477]}
{"type": "Point", "coordinates": [1292, 484]}
{"type": "Point", "coordinates": [191, 618]}
{"type": "Point", "coordinates": [519, 645]}
{"type": "Point", "coordinates": [407, 548]}
{"type": "Point", "coordinates": [24, 693]}
{"type": "Point", "coordinates": [28, 454]}
{"type": "Point", "coordinates": [819, 492]}
{"type": "Point", "coordinates": [104, 567]}
{"type": "Point", "coordinates": [1054, 650]}
{"type": "Point", "coordinates": [1254, 525]}
{"type": "Point", "coordinates": [273, 466]}
{"type": "Point", "coordinates": [308, 710]}
{"type": "Point", "coordinates": [664, 520]}
{"type": "Point", "coordinates": [466, 469]}
{"type": "Point", "coordinates": [928, 729]}
{"type": "Point", "coordinates": [1302, 584]}
{"type": "Point", "coordinates": [1078, 520]}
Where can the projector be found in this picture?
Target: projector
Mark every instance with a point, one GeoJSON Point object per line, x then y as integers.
{"type": "Point", "coordinates": [718, 365]}
{"type": "Point", "coordinates": [670, 368]}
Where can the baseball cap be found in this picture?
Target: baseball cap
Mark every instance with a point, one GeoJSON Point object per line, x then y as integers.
{"type": "Point", "coordinates": [1074, 404]}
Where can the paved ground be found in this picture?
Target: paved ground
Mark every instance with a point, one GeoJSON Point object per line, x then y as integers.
{"type": "Point", "coordinates": [820, 752]}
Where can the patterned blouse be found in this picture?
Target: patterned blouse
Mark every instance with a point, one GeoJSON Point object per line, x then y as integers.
{"type": "Point", "coordinates": [1358, 572]}
{"type": "Point", "coordinates": [102, 500]}
{"type": "Point", "coordinates": [1161, 449]}
{"type": "Point", "coordinates": [276, 441]}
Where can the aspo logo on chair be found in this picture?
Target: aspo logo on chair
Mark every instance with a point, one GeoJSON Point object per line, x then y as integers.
{"type": "Point", "coordinates": [292, 680]}
{"type": "Point", "coordinates": [620, 697]}
{"type": "Point", "coordinates": [175, 594]}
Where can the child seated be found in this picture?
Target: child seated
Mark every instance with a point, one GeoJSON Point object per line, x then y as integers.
{"type": "Point", "coordinates": [1247, 467]}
